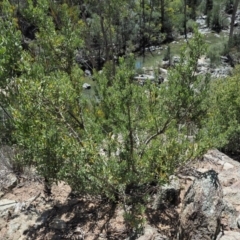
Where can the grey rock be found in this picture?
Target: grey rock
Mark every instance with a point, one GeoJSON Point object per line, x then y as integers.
{"type": "Point", "coordinates": [88, 73]}
{"type": "Point", "coordinates": [6, 205]}
{"type": "Point", "coordinates": [19, 206]}
{"type": "Point", "coordinates": [227, 166]}
{"type": "Point", "coordinates": [236, 23]}
{"type": "Point", "coordinates": [203, 63]}
{"type": "Point", "coordinates": [220, 158]}
{"type": "Point", "coordinates": [176, 59]}
{"type": "Point", "coordinates": [13, 228]}
{"type": "Point", "coordinates": [224, 58]}
{"type": "Point", "coordinates": [238, 221]}
{"type": "Point", "coordinates": [230, 214]}
{"type": "Point", "coordinates": [163, 71]}
{"type": "Point", "coordinates": [11, 181]}
{"type": "Point", "coordinates": [201, 22]}
{"type": "Point", "coordinates": [18, 226]}
{"type": "Point", "coordinates": [8, 180]}
{"type": "Point", "coordinates": [168, 194]}
{"type": "Point", "coordinates": [165, 64]}
{"type": "Point", "coordinates": [202, 207]}
{"type": "Point", "coordinates": [222, 71]}
{"type": "Point", "coordinates": [58, 224]}
{"type": "Point", "coordinates": [152, 48]}
{"type": "Point", "coordinates": [1, 194]}
{"type": "Point", "coordinates": [229, 235]}
{"type": "Point", "coordinates": [6, 156]}
{"type": "Point", "coordinates": [204, 30]}
{"type": "Point", "coordinates": [232, 194]}
{"type": "Point", "coordinates": [86, 86]}
{"type": "Point", "coordinates": [229, 176]}
{"type": "Point", "coordinates": [3, 223]}
{"type": "Point", "coordinates": [202, 70]}
{"type": "Point", "coordinates": [144, 77]}
{"type": "Point", "coordinates": [42, 219]}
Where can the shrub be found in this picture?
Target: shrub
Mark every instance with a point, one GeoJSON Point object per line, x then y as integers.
{"type": "Point", "coordinates": [118, 142]}
{"type": "Point", "coordinates": [167, 54]}
{"type": "Point", "coordinates": [235, 41]}
{"type": "Point", "coordinates": [217, 19]}
{"type": "Point", "coordinates": [191, 25]}
{"type": "Point", "coordinates": [216, 50]}
{"type": "Point", "coordinates": [224, 117]}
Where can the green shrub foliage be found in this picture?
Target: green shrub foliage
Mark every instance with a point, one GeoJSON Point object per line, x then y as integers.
{"type": "Point", "coordinates": [124, 137]}
{"type": "Point", "coordinates": [121, 137]}
{"type": "Point", "coordinates": [224, 115]}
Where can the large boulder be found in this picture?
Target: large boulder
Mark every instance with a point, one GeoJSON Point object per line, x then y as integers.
{"type": "Point", "coordinates": [202, 207]}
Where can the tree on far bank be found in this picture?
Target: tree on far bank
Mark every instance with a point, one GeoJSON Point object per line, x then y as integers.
{"type": "Point", "coordinates": [235, 7]}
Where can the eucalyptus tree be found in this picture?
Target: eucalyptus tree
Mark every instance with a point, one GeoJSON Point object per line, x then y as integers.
{"type": "Point", "coordinates": [208, 6]}
{"type": "Point", "coordinates": [192, 4]}
{"type": "Point", "coordinates": [111, 27]}
{"type": "Point", "coordinates": [235, 7]}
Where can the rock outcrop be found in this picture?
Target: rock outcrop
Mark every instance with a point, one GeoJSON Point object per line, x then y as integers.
{"type": "Point", "coordinates": [202, 207]}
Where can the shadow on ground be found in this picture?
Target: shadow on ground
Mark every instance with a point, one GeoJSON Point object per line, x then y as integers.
{"type": "Point", "coordinates": [77, 219]}
{"type": "Point", "coordinates": [87, 219]}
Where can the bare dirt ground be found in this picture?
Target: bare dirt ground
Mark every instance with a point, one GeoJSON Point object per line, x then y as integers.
{"type": "Point", "coordinates": [61, 216]}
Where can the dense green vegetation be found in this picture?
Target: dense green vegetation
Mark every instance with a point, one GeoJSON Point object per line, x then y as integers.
{"type": "Point", "coordinates": [124, 138]}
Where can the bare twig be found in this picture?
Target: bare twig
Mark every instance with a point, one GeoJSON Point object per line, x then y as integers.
{"type": "Point", "coordinates": [29, 202]}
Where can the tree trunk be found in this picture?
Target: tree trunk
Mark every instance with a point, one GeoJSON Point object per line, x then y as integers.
{"type": "Point", "coordinates": [209, 6]}
{"type": "Point", "coordinates": [162, 17]}
{"type": "Point", "coordinates": [105, 38]}
{"type": "Point", "coordinates": [143, 30]}
{"type": "Point", "coordinates": [235, 7]}
{"type": "Point", "coordinates": [185, 19]}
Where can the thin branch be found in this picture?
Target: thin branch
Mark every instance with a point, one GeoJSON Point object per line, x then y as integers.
{"type": "Point", "coordinates": [70, 128]}
{"type": "Point", "coordinates": [159, 132]}
{"type": "Point", "coordinates": [74, 117]}
{"type": "Point", "coordinates": [5, 111]}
